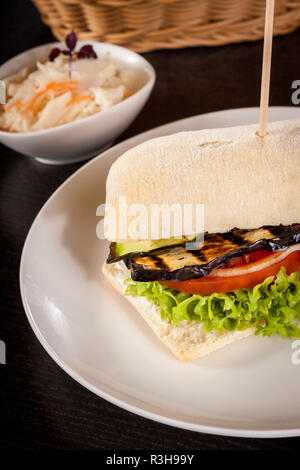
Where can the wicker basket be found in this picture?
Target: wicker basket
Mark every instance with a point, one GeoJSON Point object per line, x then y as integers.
{"type": "Point", "coordinates": [159, 24]}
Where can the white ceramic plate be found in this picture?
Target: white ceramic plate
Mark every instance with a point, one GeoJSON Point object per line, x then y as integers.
{"type": "Point", "coordinates": [250, 388]}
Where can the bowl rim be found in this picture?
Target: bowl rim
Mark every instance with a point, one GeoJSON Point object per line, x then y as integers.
{"type": "Point", "coordinates": [148, 85]}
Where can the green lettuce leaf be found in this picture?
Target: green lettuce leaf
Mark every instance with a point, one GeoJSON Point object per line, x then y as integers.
{"type": "Point", "coordinates": [272, 306]}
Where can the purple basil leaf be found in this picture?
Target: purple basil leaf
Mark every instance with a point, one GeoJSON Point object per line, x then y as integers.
{"type": "Point", "coordinates": [65, 52]}
{"type": "Point", "coordinates": [54, 53]}
{"type": "Point", "coordinates": [71, 41]}
{"type": "Point", "coordinates": [87, 52]}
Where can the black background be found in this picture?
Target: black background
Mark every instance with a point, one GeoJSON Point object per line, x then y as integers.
{"type": "Point", "coordinates": [41, 406]}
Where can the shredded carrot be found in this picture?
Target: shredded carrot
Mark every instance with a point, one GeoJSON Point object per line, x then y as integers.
{"type": "Point", "coordinates": [17, 103]}
{"type": "Point", "coordinates": [59, 87]}
{"type": "Point", "coordinates": [76, 99]}
{"type": "Point", "coordinates": [31, 103]}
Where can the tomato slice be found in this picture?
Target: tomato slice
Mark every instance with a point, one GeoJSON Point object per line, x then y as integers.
{"type": "Point", "coordinates": [247, 259]}
{"type": "Point", "coordinates": [241, 273]}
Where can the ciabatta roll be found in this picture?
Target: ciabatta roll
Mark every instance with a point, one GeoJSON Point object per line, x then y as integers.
{"type": "Point", "coordinates": [241, 179]}
{"type": "Point", "coordinates": [244, 277]}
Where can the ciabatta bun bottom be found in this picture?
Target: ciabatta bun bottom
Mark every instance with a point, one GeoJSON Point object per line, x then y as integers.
{"type": "Point", "coordinates": [186, 341]}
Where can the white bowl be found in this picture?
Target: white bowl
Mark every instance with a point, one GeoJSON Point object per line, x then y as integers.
{"type": "Point", "coordinates": [85, 138]}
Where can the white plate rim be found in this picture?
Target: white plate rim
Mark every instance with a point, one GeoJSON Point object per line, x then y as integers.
{"type": "Point", "coordinates": [216, 430]}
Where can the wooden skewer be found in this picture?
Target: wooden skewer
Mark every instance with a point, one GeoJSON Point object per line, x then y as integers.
{"type": "Point", "coordinates": [266, 68]}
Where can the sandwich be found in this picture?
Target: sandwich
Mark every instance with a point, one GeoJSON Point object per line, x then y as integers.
{"type": "Point", "coordinates": [242, 277]}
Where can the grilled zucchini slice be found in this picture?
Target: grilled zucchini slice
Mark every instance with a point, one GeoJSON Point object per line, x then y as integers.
{"type": "Point", "coordinates": [126, 250]}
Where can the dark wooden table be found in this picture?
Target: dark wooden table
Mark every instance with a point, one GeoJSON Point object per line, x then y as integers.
{"type": "Point", "coordinates": [41, 406]}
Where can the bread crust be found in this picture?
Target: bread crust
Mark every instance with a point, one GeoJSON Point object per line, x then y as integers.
{"type": "Point", "coordinates": [243, 180]}
{"type": "Point", "coordinates": [185, 341]}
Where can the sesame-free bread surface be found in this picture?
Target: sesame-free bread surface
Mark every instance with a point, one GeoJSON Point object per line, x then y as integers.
{"type": "Point", "coordinates": [186, 341]}
{"type": "Point", "coordinates": [241, 179]}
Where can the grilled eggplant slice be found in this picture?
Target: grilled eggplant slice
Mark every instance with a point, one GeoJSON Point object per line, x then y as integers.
{"type": "Point", "coordinates": [179, 264]}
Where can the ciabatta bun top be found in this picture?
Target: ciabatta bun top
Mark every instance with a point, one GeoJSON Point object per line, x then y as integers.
{"type": "Point", "coordinates": [243, 180]}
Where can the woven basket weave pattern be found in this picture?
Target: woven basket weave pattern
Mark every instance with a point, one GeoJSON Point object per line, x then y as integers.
{"type": "Point", "coordinates": [159, 24]}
